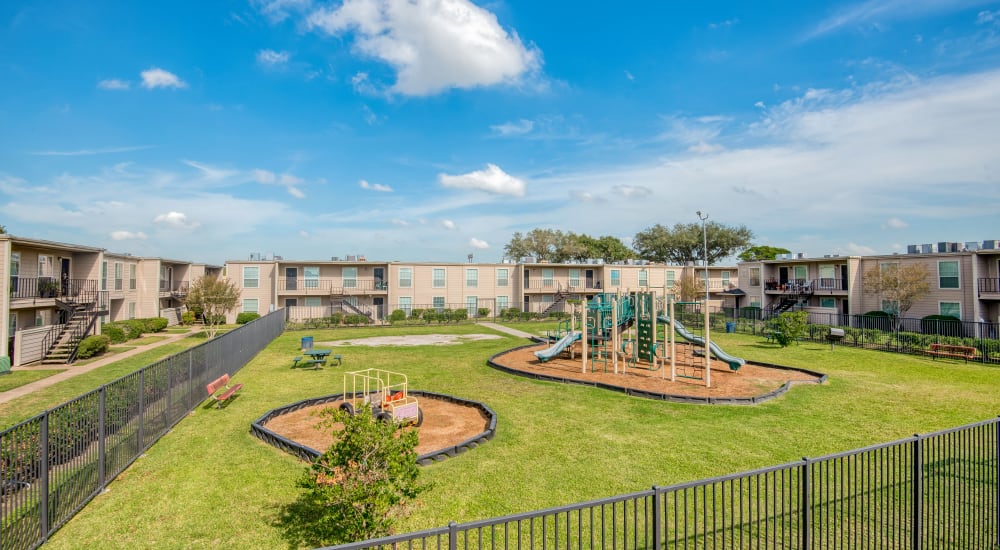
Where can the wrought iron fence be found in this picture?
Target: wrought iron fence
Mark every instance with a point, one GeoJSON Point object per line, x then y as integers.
{"type": "Point", "coordinates": [51, 465]}
{"type": "Point", "coordinates": [937, 491]}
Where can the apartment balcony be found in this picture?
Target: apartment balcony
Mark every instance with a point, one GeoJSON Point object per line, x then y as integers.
{"type": "Point", "coordinates": [826, 287]}
{"type": "Point", "coordinates": [722, 285]}
{"type": "Point", "coordinates": [989, 288]}
{"type": "Point", "coordinates": [174, 289]}
{"type": "Point", "coordinates": [30, 289]}
{"type": "Point", "coordinates": [553, 286]}
{"type": "Point", "coordinates": [332, 287]}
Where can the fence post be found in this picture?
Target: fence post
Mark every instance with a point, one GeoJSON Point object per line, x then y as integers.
{"type": "Point", "coordinates": [43, 519]}
{"type": "Point", "coordinates": [657, 513]}
{"type": "Point", "coordinates": [452, 535]}
{"type": "Point", "coordinates": [102, 404]}
{"type": "Point", "coordinates": [190, 355]}
{"type": "Point", "coordinates": [996, 502]}
{"type": "Point", "coordinates": [806, 497]}
{"type": "Point", "coordinates": [142, 408]}
{"type": "Point", "coordinates": [916, 496]}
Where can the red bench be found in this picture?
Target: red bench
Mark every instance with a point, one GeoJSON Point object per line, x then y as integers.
{"type": "Point", "coordinates": [955, 352]}
{"type": "Point", "coordinates": [220, 390]}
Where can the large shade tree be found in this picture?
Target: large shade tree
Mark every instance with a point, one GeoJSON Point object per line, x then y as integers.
{"type": "Point", "coordinates": [682, 243]}
{"type": "Point", "coordinates": [761, 252]}
{"type": "Point", "coordinates": [215, 297]}
{"type": "Point", "coordinates": [553, 245]}
{"type": "Point", "coordinates": [902, 286]}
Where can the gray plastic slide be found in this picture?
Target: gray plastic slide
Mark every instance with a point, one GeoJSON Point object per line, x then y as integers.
{"type": "Point", "coordinates": [734, 362]}
{"type": "Point", "coordinates": [557, 348]}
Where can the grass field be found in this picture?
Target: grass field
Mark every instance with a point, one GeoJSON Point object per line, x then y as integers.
{"type": "Point", "coordinates": [19, 378]}
{"type": "Point", "coordinates": [555, 444]}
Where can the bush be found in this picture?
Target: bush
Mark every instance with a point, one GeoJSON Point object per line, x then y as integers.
{"type": "Point", "coordinates": [416, 313]}
{"type": "Point", "coordinates": [93, 345]}
{"type": "Point", "coordinates": [115, 333]}
{"type": "Point", "coordinates": [483, 312]}
{"type": "Point", "coordinates": [356, 319]}
{"type": "Point", "coordinates": [246, 316]}
{"type": "Point", "coordinates": [187, 318]}
{"type": "Point", "coordinates": [397, 316]}
{"type": "Point", "coordinates": [217, 319]}
{"type": "Point", "coordinates": [154, 324]}
{"type": "Point", "coordinates": [790, 326]}
{"type": "Point", "coordinates": [511, 314]}
{"type": "Point", "coordinates": [335, 319]}
{"type": "Point", "coordinates": [945, 325]}
{"type": "Point", "coordinates": [878, 320]}
{"type": "Point", "coordinates": [460, 314]}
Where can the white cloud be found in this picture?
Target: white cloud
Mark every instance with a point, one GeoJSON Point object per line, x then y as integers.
{"type": "Point", "coordinates": [583, 196]}
{"type": "Point", "coordinates": [703, 148]}
{"type": "Point", "coordinates": [433, 45]}
{"type": "Point", "coordinates": [858, 249]}
{"type": "Point", "coordinates": [295, 192]}
{"type": "Point", "coordinates": [375, 186]}
{"type": "Point", "coordinates": [362, 84]}
{"type": "Point", "coordinates": [896, 223]}
{"type": "Point", "coordinates": [987, 16]}
{"type": "Point", "coordinates": [155, 77]}
{"type": "Point", "coordinates": [630, 76]}
{"type": "Point", "coordinates": [177, 220]}
{"type": "Point", "coordinates": [399, 222]}
{"type": "Point", "coordinates": [211, 173]}
{"type": "Point", "coordinates": [288, 179]}
{"type": "Point", "coordinates": [724, 24]}
{"type": "Point", "coordinates": [449, 225]}
{"type": "Point", "coordinates": [113, 84]}
{"type": "Point", "coordinates": [127, 235]}
{"type": "Point", "coordinates": [518, 128]}
{"type": "Point", "coordinates": [478, 243]}
{"type": "Point", "coordinates": [872, 14]}
{"type": "Point", "coordinates": [633, 191]}
{"type": "Point", "coordinates": [272, 58]}
{"type": "Point", "coordinates": [492, 180]}
{"type": "Point", "coordinates": [264, 176]}
{"type": "Point", "coordinates": [279, 10]}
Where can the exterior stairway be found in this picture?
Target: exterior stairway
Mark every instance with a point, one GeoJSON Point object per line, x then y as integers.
{"type": "Point", "coordinates": [560, 298]}
{"type": "Point", "coordinates": [62, 348]}
{"type": "Point", "coordinates": [346, 305]}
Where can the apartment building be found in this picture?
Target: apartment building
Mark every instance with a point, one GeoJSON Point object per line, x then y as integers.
{"type": "Point", "coordinates": [59, 293]}
{"type": "Point", "coordinates": [963, 282]}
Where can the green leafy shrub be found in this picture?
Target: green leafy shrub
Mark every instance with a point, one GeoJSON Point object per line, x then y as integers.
{"type": "Point", "coordinates": [246, 316]}
{"type": "Point", "coordinates": [511, 314]}
{"type": "Point", "coordinates": [416, 314]}
{"type": "Point", "coordinates": [361, 485]}
{"type": "Point", "coordinates": [945, 325]}
{"type": "Point", "coordinates": [790, 326]}
{"type": "Point", "coordinates": [93, 345]}
{"type": "Point", "coordinates": [115, 333]}
{"type": "Point", "coordinates": [187, 318]}
{"type": "Point", "coordinates": [335, 319]}
{"type": "Point", "coordinates": [430, 316]}
{"type": "Point", "coordinates": [397, 316]}
{"type": "Point", "coordinates": [154, 324]}
{"type": "Point", "coordinates": [356, 319]}
{"type": "Point", "coordinates": [879, 320]}
{"type": "Point", "coordinates": [460, 314]}
{"type": "Point", "coordinates": [483, 312]}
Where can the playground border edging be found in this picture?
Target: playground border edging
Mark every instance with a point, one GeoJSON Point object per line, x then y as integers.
{"type": "Point", "coordinates": [308, 454]}
{"type": "Point", "coordinates": [676, 398]}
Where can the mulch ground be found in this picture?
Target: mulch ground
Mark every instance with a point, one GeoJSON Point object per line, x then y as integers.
{"type": "Point", "coordinates": [445, 425]}
{"type": "Point", "coordinates": [750, 381]}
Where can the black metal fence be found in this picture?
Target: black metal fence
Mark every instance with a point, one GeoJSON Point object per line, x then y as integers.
{"type": "Point", "coordinates": [53, 464]}
{"type": "Point", "coordinates": [937, 491]}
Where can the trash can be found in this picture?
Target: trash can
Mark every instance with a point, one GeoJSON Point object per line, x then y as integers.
{"type": "Point", "coordinates": [307, 342]}
{"type": "Point", "coordinates": [731, 327]}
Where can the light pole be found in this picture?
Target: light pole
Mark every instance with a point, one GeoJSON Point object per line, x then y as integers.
{"type": "Point", "coordinates": [708, 363]}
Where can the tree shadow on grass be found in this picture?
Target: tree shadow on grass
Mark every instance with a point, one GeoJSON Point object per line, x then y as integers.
{"type": "Point", "coordinates": [303, 524]}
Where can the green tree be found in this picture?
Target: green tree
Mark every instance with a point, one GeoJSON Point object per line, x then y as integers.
{"type": "Point", "coordinates": [3, 230]}
{"type": "Point", "coordinates": [689, 288]}
{"type": "Point", "coordinates": [901, 286]}
{"type": "Point", "coordinates": [360, 486]}
{"type": "Point", "coordinates": [553, 245]}
{"type": "Point", "coordinates": [761, 252]}
{"type": "Point", "coordinates": [790, 326]}
{"type": "Point", "coordinates": [608, 248]}
{"type": "Point", "coordinates": [215, 298]}
{"type": "Point", "coordinates": [683, 242]}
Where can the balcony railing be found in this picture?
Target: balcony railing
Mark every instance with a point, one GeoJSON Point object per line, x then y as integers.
{"type": "Point", "coordinates": [557, 286]}
{"type": "Point", "coordinates": [807, 286]}
{"type": "Point", "coordinates": [989, 285]}
{"type": "Point", "coordinates": [332, 286]}
{"type": "Point", "coordinates": [22, 288]}
{"type": "Point", "coordinates": [178, 288]}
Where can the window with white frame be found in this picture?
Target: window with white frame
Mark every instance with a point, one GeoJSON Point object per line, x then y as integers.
{"type": "Point", "coordinates": [755, 302]}
{"type": "Point", "coordinates": [310, 276]}
{"type": "Point", "coordinates": [131, 276]}
{"type": "Point", "coordinates": [405, 278]}
{"type": "Point", "coordinates": [671, 278]}
{"type": "Point", "coordinates": [406, 303]}
{"type": "Point", "coordinates": [829, 303]}
{"type": "Point", "coordinates": [616, 277]}
{"type": "Point", "coordinates": [119, 277]}
{"type": "Point", "coordinates": [827, 276]}
{"type": "Point", "coordinates": [574, 278]}
{"type": "Point", "coordinates": [313, 301]}
{"type": "Point", "coordinates": [15, 270]}
{"type": "Point", "coordinates": [131, 310]}
{"type": "Point", "coordinates": [890, 306]}
{"type": "Point", "coordinates": [104, 275]}
{"type": "Point", "coordinates": [438, 303]}
{"type": "Point", "coordinates": [471, 278]}
{"type": "Point", "coordinates": [250, 305]}
{"type": "Point", "coordinates": [12, 326]}
{"type": "Point", "coordinates": [503, 277]}
{"type": "Point", "coordinates": [438, 280]}
{"type": "Point", "coordinates": [754, 276]}
{"type": "Point", "coordinates": [472, 304]}
{"type": "Point", "coordinates": [45, 266]}
{"type": "Point", "coordinates": [350, 276]}
{"type": "Point", "coordinates": [547, 276]}
{"type": "Point", "coordinates": [643, 277]}
{"type": "Point", "coordinates": [801, 272]}
{"type": "Point", "coordinates": [725, 279]}
{"type": "Point", "coordinates": [502, 303]}
{"type": "Point", "coordinates": [953, 309]}
{"type": "Point", "coordinates": [948, 274]}
{"type": "Point", "coordinates": [251, 276]}
{"type": "Point", "coordinates": [39, 318]}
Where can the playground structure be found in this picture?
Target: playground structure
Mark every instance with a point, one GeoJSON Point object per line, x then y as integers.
{"type": "Point", "coordinates": [385, 392]}
{"type": "Point", "coordinates": [623, 329]}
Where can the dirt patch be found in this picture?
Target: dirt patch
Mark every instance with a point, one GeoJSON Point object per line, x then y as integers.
{"type": "Point", "coordinates": [445, 425]}
{"type": "Point", "coordinates": [750, 381]}
{"type": "Point", "coordinates": [412, 340]}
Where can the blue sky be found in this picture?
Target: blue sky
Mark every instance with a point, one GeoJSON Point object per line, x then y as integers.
{"type": "Point", "coordinates": [429, 130]}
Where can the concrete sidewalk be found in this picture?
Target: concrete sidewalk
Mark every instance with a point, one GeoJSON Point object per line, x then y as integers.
{"type": "Point", "coordinates": [75, 370]}
{"type": "Point", "coordinates": [508, 330]}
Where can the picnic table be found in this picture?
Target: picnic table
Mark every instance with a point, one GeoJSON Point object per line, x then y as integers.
{"type": "Point", "coordinates": [318, 353]}
{"type": "Point", "coordinates": [318, 357]}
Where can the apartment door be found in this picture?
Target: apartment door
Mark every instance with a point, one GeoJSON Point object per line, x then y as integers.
{"type": "Point", "coordinates": [379, 303]}
{"type": "Point", "coordinates": [525, 299]}
{"type": "Point", "coordinates": [15, 270]}
{"type": "Point", "coordinates": [782, 275]}
{"type": "Point", "coordinates": [379, 274]}
{"type": "Point", "coordinates": [843, 279]}
{"type": "Point", "coordinates": [291, 278]}
{"type": "Point", "coordinates": [589, 276]}
{"type": "Point", "coordinates": [64, 275]}
{"type": "Point", "coordinates": [525, 283]}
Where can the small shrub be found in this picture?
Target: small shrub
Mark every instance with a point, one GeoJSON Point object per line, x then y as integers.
{"type": "Point", "coordinates": [444, 316]}
{"type": "Point", "coordinates": [246, 316]}
{"type": "Point", "coordinates": [483, 312]}
{"type": "Point", "coordinates": [878, 320]}
{"type": "Point", "coordinates": [134, 328]}
{"type": "Point", "coordinates": [115, 333]}
{"type": "Point", "coordinates": [154, 324]}
{"type": "Point", "coordinates": [356, 319]}
{"type": "Point", "coordinates": [460, 314]}
{"type": "Point", "coordinates": [187, 318]}
{"type": "Point", "coordinates": [397, 315]}
{"type": "Point", "coordinates": [93, 345]}
{"type": "Point", "coordinates": [416, 313]}
{"type": "Point", "coordinates": [511, 314]}
{"type": "Point", "coordinates": [945, 325]}
{"type": "Point", "coordinates": [335, 319]}
{"type": "Point", "coordinates": [217, 319]}
{"type": "Point", "coordinates": [790, 326]}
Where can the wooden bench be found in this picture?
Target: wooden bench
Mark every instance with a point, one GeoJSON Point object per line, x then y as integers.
{"type": "Point", "coordinates": [220, 390]}
{"type": "Point", "coordinates": [952, 351]}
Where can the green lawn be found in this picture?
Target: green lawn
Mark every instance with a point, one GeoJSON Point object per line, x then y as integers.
{"type": "Point", "coordinates": [18, 378]}
{"type": "Point", "coordinates": [555, 444]}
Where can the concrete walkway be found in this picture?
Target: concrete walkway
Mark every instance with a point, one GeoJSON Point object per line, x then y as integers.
{"type": "Point", "coordinates": [508, 330]}
{"type": "Point", "coordinates": [77, 370]}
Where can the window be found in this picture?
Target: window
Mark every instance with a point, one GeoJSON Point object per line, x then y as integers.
{"type": "Point", "coordinates": [800, 273]}
{"type": "Point", "coordinates": [948, 275]}
{"type": "Point", "coordinates": [250, 305]}
{"type": "Point", "coordinates": [405, 302]}
{"type": "Point", "coordinates": [829, 303]}
{"type": "Point", "coordinates": [39, 319]}
{"type": "Point", "coordinates": [439, 279]}
{"type": "Point", "coordinates": [547, 275]}
{"type": "Point", "coordinates": [405, 277]}
{"type": "Point", "coordinates": [44, 265]}
{"type": "Point", "coordinates": [725, 279]}
{"type": "Point", "coordinates": [310, 276]}
{"type": "Point", "coordinates": [131, 276]}
{"type": "Point", "coordinates": [643, 277]}
{"type": "Point", "coordinates": [350, 275]}
{"type": "Point", "coordinates": [15, 270]}
{"type": "Point", "coordinates": [471, 278]}
{"type": "Point", "coordinates": [131, 310]}
{"type": "Point", "coordinates": [890, 306]}
{"type": "Point", "coordinates": [472, 304]}
{"type": "Point", "coordinates": [119, 274]}
{"type": "Point", "coordinates": [755, 302]}
{"type": "Point", "coordinates": [313, 301]}
{"type": "Point", "coordinates": [616, 277]}
{"type": "Point", "coordinates": [503, 277]}
{"type": "Point", "coordinates": [12, 328]}
{"type": "Point", "coordinates": [950, 308]}
{"type": "Point", "coordinates": [574, 278]}
{"type": "Point", "coordinates": [671, 278]}
{"type": "Point", "coordinates": [438, 303]}
{"type": "Point", "coordinates": [502, 303]}
{"type": "Point", "coordinates": [165, 275]}
{"type": "Point", "coordinates": [754, 276]}
{"type": "Point", "coordinates": [104, 275]}
{"type": "Point", "coordinates": [251, 277]}
{"type": "Point", "coordinates": [827, 276]}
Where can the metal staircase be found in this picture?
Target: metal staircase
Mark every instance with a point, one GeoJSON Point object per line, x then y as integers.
{"type": "Point", "coordinates": [346, 305]}
{"type": "Point", "coordinates": [82, 313]}
{"type": "Point", "coordinates": [559, 299]}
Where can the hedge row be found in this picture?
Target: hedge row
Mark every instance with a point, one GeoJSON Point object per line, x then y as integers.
{"type": "Point", "coordinates": [120, 332]}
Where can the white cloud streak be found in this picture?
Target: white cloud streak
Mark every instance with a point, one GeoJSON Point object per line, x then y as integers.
{"type": "Point", "coordinates": [518, 128]}
{"type": "Point", "coordinates": [127, 235]}
{"type": "Point", "coordinates": [272, 58]}
{"type": "Point", "coordinates": [381, 188]}
{"type": "Point", "coordinates": [492, 180]}
{"type": "Point", "coordinates": [114, 84]}
{"type": "Point", "coordinates": [88, 152]}
{"type": "Point", "coordinates": [176, 220]}
{"type": "Point", "coordinates": [155, 77]}
{"type": "Point", "coordinates": [478, 244]}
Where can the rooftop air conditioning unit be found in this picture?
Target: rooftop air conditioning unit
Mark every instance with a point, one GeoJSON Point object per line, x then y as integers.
{"type": "Point", "coordinates": [947, 247]}
{"type": "Point", "coordinates": [972, 245]}
{"type": "Point", "coordinates": [335, 259]}
{"type": "Point", "coordinates": [351, 258]}
{"type": "Point", "coordinates": [912, 249]}
{"type": "Point", "coordinates": [991, 245]}
{"type": "Point", "coordinates": [801, 255]}
{"type": "Point", "coordinates": [926, 248]}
